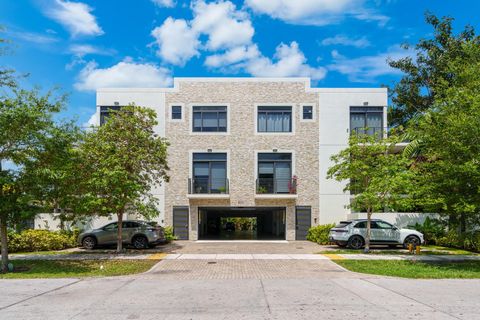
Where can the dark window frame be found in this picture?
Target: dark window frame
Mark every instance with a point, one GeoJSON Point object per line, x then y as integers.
{"type": "Point", "coordinates": [274, 162]}
{"type": "Point", "coordinates": [304, 113]}
{"type": "Point", "coordinates": [364, 111]}
{"type": "Point", "coordinates": [209, 109]}
{"type": "Point", "coordinates": [105, 112]}
{"type": "Point", "coordinates": [282, 110]}
{"type": "Point", "coordinates": [175, 113]}
{"type": "Point", "coordinates": [210, 161]}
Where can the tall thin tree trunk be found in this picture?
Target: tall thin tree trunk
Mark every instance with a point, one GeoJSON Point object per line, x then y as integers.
{"type": "Point", "coordinates": [368, 235]}
{"type": "Point", "coordinates": [4, 242]}
{"type": "Point", "coordinates": [119, 231]}
{"type": "Point", "coordinates": [3, 238]}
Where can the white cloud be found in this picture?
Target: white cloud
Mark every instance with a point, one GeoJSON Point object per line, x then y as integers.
{"type": "Point", "coordinates": [82, 50]}
{"type": "Point", "coordinates": [79, 51]}
{"type": "Point", "coordinates": [165, 3]}
{"type": "Point", "coordinates": [315, 12]}
{"type": "Point", "coordinates": [289, 61]}
{"type": "Point", "coordinates": [176, 40]}
{"type": "Point", "coordinates": [34, 37]}
{"type": "Point", "coordinates": [76, 17]}
{"type": "Point", "coordinates": [367, 68]}
{"type": "Point", "coordinates": [92, 122]}
{"type": "Point", "coordinates": [232, 56]}
{"type": "Point", "coordinates": [124, 74]}
{"type": "Point", "coordinates": [225, 26]}
{"type": "Point", "coordinates": [346, 41]}
{"type": "Point", "coordinates": [229, 37]}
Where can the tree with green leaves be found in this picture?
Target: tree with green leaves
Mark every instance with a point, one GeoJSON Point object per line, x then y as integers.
{"type": "Point", "coordinates": [25, 118]}
{"type": "Point", "coordinates": [52, 170]}
{"type": "Point", "coordinates": [448, 177]}
{"type": "Point", "coordinates": [121, 161]}
{"type": "Point", "coordinates": [428, 69]}
{"type": "Point", "coordinates": [375, 173]}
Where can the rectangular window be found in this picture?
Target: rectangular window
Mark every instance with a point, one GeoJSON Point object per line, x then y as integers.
{"type": "Point", "coordinates": [366, 121]}
{"type": "Point", "coordinates": [274, 173]}
{"type": "Point", "coordinates": [176, 112]}
{"type": "Point", "coordinates": [307, 113]}
{"type": "Point", "coordinates": [106, 111]}
{"type": "Point", "coordinates": [209, 173]}
{"type": "Point", "coordinates": [274, 119]}
{"type": "Point", "coordinates": [209, 119]}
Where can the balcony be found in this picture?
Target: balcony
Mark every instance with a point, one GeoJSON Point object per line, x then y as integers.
{"type": "Point", "coordinates": [269, 188]}
{"type": "Point", "coordinates": [208, 188]}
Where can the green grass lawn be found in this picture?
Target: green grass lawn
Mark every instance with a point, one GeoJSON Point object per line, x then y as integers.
{"type": "Point", "coordinates": [30, 269]}
{"type": "Point", "coordinates": [425, 250]}
{"type": "Point", "coordinates": [414, 269]}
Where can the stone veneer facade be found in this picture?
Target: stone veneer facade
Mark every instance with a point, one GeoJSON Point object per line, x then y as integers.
{"type": "Point", "coordinates": [241, 142]}
{"type": "Point", "coordinates": [311, 143]}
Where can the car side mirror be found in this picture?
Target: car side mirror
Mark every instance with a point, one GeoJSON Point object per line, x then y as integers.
{"type": "Point", "coordinates": [394, 228]}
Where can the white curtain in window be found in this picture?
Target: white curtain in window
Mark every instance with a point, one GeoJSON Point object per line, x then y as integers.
{"type": "Point", "coordinates": [286, 122]}
{"type": "Point", "coordinates": [357, 122]}
{"type": "Point", "coordinates": [262, 122]}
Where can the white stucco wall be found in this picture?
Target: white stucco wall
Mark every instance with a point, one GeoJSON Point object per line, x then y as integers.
{"type": "Point", "coordinates": [147, 97]}
{"type": "Point", "coordinates": [334, 130]}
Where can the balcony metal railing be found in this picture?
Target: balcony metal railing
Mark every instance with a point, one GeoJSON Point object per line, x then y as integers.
{"type": "Point", "coordinates": [208, 186]}
{"type": "Point", "coordinates": [276, 186]}
{"type": "Point", "coordinates": [377, 132]}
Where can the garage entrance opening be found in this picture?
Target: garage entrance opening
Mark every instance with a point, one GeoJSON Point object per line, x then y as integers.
{"type": "Point", "coordinates": [241, 223]}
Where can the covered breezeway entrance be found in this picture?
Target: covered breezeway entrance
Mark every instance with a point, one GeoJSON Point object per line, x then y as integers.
{"type": "Point", "coordinates": [241, 223]}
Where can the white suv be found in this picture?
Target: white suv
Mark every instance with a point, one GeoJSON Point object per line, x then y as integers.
{"type": "Point", "coordinates": [352, 233]}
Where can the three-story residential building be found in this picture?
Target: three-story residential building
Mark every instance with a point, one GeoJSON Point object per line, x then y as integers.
{"type": "Point", "coordinates": [252, 147]}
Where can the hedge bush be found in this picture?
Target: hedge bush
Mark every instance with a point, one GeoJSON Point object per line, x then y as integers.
{"type": "Point", "coordinates": [41, 240]}
{"type": "Point", "coordinates": [467, 240]}
{"type": "Point", "coordinates": [319, 234]}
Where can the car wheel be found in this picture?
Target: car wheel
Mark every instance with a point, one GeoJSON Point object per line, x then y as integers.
{"type": "Point", "coordinates": [356, 242]}
{"type": "Point", "coordinates": [140, 242]}
{"type": "Point", "coordinates": [89, 243]}
{"type": "Point", "coordinates": [414, 240]}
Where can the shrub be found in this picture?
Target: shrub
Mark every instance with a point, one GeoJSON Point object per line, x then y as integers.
{"type": "Point", "coordinates": [432, 229]}
{"type": "Point", "coordinates": [31, 240]}
{"type": "Point", "coordinates": [319, 234]}
{"type": "Point", "coordinates": [169, 237]}
{"type": "Point", "coordinates": [467, 240]}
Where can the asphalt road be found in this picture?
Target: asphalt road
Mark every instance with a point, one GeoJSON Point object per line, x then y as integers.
{"type": "Point", "coordinates": [250, 289]}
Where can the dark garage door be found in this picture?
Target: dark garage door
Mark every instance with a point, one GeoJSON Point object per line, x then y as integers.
{"type": "Point", "coordinates": [180, 222]}
{"type": "Point", "coordinates": [303, 222]}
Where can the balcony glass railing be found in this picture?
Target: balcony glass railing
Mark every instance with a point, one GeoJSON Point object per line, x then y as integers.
{"type": "Point", "coordinates": [208, 186]}
{"type": "Point", "coordinates": [276, 186]}
{"type": "Point", "coordinates": [377, 132]}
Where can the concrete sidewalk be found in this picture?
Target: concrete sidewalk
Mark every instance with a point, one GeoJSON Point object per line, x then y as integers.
{"type": "Point", "coordinates": [433, 258]}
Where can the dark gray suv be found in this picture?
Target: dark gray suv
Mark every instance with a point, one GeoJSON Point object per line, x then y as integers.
{"type": "Point", "coordinates": [139, 234]}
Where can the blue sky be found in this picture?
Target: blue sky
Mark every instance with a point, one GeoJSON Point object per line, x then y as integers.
{"type": "Point", "coordinates": [83, 45]}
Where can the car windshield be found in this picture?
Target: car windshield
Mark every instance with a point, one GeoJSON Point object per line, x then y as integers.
{"type": "Point", "coordinates": [343, 224]}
